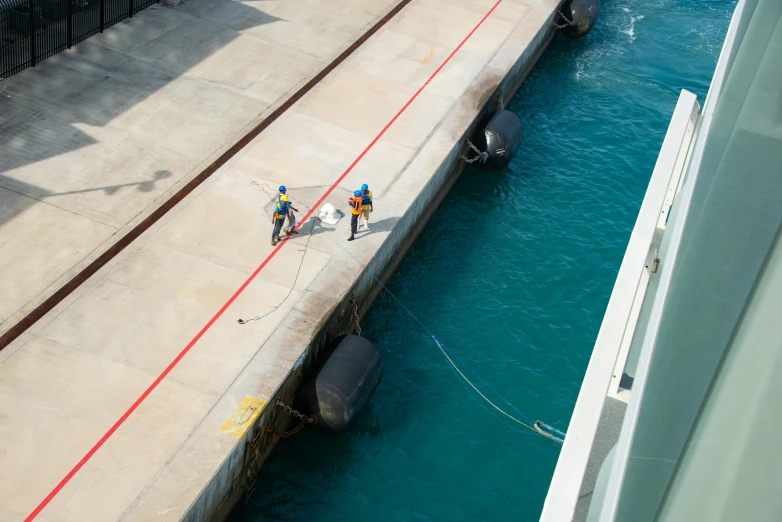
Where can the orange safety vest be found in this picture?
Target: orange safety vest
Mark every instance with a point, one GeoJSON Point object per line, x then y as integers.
{"type": "Point", "coordinates": [355, 205]}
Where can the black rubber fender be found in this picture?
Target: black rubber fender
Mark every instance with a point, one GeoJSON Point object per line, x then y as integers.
{"type": "Point", "coordinates": [582, 15]}
{"type": "Point", "coordinates": [344, 385]}
{"type": "Point", "coordinates": [501, 139]}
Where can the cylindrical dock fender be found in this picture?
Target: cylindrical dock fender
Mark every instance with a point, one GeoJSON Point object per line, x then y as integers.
{"type": "Point", "coordinates": [343, 386]}
{"type": "Point", "coordinates": [580, 17]}
{"type": "Point", "coordinates": [501, 138]}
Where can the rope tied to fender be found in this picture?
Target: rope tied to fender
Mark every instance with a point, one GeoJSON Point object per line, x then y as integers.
{"type": "Point", "coordinates": [568, 21]}
{"type": "Point", "coordinates": [304, 420]}
{"type": "Point", "coordinates": [354, 305]}
{"type": "Point", "coordinates": [482, 156]}
{"type": "Point", "coordinates": [253, 449]}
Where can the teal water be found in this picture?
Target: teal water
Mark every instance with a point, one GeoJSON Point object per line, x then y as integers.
{"type": "Point", "coordinates": [513, 273]}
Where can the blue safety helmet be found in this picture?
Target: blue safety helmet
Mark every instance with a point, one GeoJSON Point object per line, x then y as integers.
{"type": "Point", "coordinates": [282, 188]}
{"type": "Point", "coordinates": [356, 192]}
{"type": "Point", "coordinates": [364, 187]}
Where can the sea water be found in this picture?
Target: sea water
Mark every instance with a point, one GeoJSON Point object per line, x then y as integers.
{"type": "Point", "coordinates": [513, 273]}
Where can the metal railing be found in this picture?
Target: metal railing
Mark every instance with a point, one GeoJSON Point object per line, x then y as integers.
{"type": "Point", "coordinates": [33, 30]}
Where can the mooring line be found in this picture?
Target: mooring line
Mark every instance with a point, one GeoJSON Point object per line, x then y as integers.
{"type": "Point", "coordinates": [483, 406]}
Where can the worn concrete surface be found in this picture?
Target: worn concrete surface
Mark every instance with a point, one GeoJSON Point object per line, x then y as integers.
{"type": "Point", "coordinates": [65, 382]}
{"type": "Point", "coordinates": [95, 138]}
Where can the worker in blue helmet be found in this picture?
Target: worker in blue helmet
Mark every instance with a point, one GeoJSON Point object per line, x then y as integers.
{"type": "Point", "coordinates": [366, 205]}
{"type": "Point", "coordinates": [291, 228]}
{"type": "Point", "coordinates": [281, 209]}
{"type": "Point", "coordinates": [355, 212]}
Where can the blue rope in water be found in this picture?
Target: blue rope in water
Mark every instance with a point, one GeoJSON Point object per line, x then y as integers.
{"type": "Point", "coordinates": [483, 406]}
{"type": "Point", "coordinates": [506, 401]}
{"type": "Point", "coordinates": [434, 337]}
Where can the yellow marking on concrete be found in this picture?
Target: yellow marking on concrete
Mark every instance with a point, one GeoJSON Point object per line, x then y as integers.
{"type": "Point", "coordinates": [243, 417]}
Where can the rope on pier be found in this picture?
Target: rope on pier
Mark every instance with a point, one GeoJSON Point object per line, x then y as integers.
{"type": "Point", "coordinates": [452, 358]}
{"type": "Point", "coordinates": [313, 222]}
{"type": "Point", "coordinates": [482, 156]}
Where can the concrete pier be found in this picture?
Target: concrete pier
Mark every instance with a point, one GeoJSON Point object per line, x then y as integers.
{"type": "Point", "coordinates": [139, 396]}
{"type": "Point", "coordinates": [99, 137]}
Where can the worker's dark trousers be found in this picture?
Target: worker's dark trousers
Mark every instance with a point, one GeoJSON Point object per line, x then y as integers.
{"type": "Point", "coordinates": [353, 224]}
{"type": "Point", "coordinates": [278, 227]}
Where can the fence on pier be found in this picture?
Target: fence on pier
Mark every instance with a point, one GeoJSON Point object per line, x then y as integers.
{"type": "Point", "coordinates": [33, 30]}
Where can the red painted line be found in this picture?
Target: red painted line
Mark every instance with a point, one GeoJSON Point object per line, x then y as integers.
{"type": "Point", "coordinates": [241, 289]}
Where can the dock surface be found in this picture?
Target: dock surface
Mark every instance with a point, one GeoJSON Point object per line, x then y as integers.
{"type": "Point", "coordinates": [134, 397]}
{"type": "Point", "coordinates": [94, 140]}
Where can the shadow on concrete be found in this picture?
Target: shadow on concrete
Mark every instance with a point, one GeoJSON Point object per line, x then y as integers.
{"type": "Point", "coordinates": [307, 229]}
{"type": "Point", "coordinates": [383, 225]}
{"type": "Point", "coordinates": [141, 186]}
{"type": "Point", "coordinates": [313, 193]}
{"type": "Point", "coordinates": [28, 195]}
{"type": "Point", "coordinates": [100, 79]}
